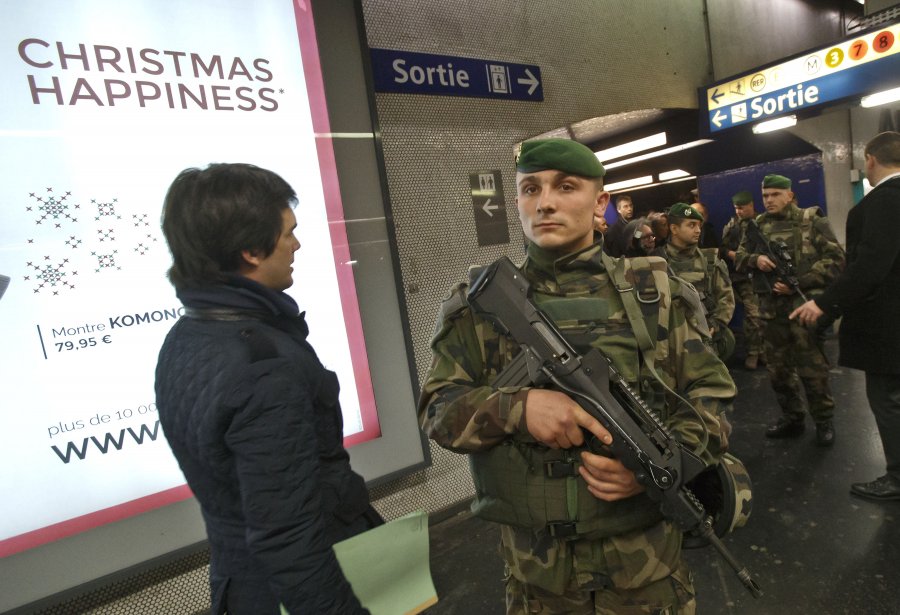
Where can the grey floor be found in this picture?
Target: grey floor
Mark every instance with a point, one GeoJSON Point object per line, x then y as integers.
{"type": "Point", "coordinates": [813, 548]}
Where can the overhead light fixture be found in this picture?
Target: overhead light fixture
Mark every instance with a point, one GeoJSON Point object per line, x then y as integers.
{"type": "Point", "coordinates": [880, 98]}
{"type": "Point", "coordinates": [662, 152]}
{"type": "Point", "coordinates": [651, 185]}
{"type": "Point", "coordinates": [680, 179]}
{"type": "Point", "coordinates": [777, 124]}
{"type": "Point", "coordinates": [638, 145]}
{"type": "Point", "coordinates": [628, 183]}
{"type": "Point", "coordinates": [674, 174]}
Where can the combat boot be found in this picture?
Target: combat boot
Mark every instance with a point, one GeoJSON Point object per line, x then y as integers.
{"type": "Point", "coordinates": [751, 361]}
{"type": "Point", "coordinates": [825, 433]}
{"type": "Point", "coordinates": [786, 428]}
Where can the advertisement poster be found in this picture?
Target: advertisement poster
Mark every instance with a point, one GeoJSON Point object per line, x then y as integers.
{"type": "Point", "coordinates": [103, 104]}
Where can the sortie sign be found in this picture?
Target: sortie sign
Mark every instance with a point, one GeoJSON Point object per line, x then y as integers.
{"type": "Point", "coordinates": [856, 66]}
{"type": "Point", "coordinates": [406, 72]}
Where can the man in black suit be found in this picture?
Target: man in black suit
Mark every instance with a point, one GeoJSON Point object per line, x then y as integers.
{"type": "Point", "coordinates": [867, 293]}
{"type": "Point", "coordinates": [615, 242]}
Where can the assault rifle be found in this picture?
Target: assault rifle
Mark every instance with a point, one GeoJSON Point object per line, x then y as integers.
{"type": "Point", "coordinates": [639, 439]}
{"type": "Point", "coordinates": [778, 253]}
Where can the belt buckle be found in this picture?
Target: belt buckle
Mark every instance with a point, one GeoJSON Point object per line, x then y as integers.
{"type": "Point", "coordinates": [562, 530]}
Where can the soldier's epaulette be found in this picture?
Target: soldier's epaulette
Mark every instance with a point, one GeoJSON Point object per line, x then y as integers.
{"type": "Point", "coordinates": [454, 303]}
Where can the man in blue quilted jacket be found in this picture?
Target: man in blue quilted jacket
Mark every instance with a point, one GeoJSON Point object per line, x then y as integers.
{"type": "Point", "coordinates": [250, 413]}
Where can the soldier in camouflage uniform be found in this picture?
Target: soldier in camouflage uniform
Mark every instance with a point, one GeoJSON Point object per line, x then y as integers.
{"type": "Point", "coordinates": [740, 280]}
{"type": "Point", "coordinates": [794, 352]}
{"type": "Point", "coordinates": [578, 535]}
{"type": "Point", "coordinates": [702, 268]}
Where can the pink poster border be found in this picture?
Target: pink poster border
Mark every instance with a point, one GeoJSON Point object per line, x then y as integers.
{"type": "Point", "coordinates": [334, 208]}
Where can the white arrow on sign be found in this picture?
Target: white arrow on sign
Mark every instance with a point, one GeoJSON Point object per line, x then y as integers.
{"type": "Point", "coordinates": [532, 80]}
{"type": "Point", "coordinates": [487, 208]}
{"type": "Point", "coordinates": [718, 117]}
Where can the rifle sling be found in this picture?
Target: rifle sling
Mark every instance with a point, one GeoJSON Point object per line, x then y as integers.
{"type": "Point", "coordinates": [646, 343]}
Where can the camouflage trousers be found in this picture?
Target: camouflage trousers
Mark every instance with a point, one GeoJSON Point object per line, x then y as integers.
{"type": "Point", "coordinates": [753, 322]}
{"type": "Point", "coordinates": [639, 573]}
{"type": "Point", "coordinates": [797, 363]}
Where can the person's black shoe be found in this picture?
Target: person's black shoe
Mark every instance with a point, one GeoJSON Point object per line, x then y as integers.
{"type": "Point", "coordinates": [881, 489]}
{"type": "Point", "coordinates": [786, 428]}
{"type": "Point", "coordinates": [825, 433]}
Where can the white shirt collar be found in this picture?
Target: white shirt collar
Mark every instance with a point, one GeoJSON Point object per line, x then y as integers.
{"type": "Point", "coordinates": [887, 177]}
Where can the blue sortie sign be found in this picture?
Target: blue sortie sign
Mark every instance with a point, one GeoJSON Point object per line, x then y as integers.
{"type": "Point", "coordinates": [863, 63]}
{"type": "Point", "coordinates": [406, 72]}
{"type": "Point", "coordinates": [829, 89]}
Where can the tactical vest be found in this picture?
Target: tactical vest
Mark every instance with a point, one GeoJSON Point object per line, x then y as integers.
{"type": "Point", "coordinates": [528, 485]}
{"type": "Point", "coordinates": [796, 230]}
{"type": "Point", "coordinates": [699, 272]}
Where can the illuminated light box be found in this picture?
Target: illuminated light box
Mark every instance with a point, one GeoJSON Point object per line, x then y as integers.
{"type": "Point", "coordinates": [104, 104]}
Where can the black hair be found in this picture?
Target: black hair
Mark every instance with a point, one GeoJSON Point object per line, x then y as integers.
{"type": "Point", "coordinates": [211, 216]}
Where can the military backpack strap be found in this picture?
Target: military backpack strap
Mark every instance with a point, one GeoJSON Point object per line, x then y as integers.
{"type": "Point", "coordinates": [811, 212]}
{"type": "Point", "coordinates": [616, 270]}
{"type": "Point", "coordinates": [807, 219]}
{"type": "Point", "coordinates": [711, 256]}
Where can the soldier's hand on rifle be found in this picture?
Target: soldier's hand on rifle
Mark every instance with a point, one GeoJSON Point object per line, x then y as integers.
{"type": "Point", "coordinates": [555, 420]}
{"type": "Point", "coordinates": [764, 263]}
{"type": "Point", "coordinates": [780, 288]}
{"type": "Point", "coordinates": [607, 479]}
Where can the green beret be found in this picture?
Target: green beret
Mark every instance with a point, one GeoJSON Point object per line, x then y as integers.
{"type": "Point", "coordinates": [561, 155]}
{"type": "Point", "coordinates": [776, 181]}
{"type": "Point", "coordinates": [742, 198]}
{"type": "Point", "coordinates": [683, 211]}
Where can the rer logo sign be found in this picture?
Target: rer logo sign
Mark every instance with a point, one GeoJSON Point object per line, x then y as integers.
{"type": "Point", "coordinates": [856, 66]}
{"type": "Point", "coordinates": [405, 72]}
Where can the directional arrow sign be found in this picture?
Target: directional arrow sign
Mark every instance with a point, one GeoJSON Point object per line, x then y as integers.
{"type": "Point", "coordinates": [407, 72]}
{"type": "Point", "coordinates": [489, 207]}
{"type": "Point", "coordinates": [717, 118]}
{"type": "Point", "coordinates": [531, 81]}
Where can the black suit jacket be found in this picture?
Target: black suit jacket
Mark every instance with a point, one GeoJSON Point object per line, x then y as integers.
{"type": "Point", "coordinates": [615, 242]}
{"type": "Point", "coordinates": [867, 293]}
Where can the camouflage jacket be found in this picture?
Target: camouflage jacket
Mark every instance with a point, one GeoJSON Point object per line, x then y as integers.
{"type": "Point", "coordinates": [708, 274]}
{"type": "Point", "coordinates": [815, 251]}
{"type": "Point", "coordinates": [461, 411]}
